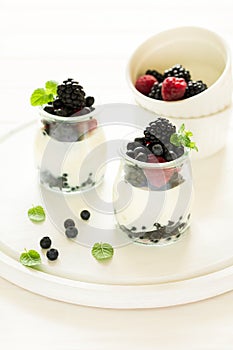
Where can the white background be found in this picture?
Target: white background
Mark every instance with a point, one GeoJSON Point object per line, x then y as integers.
{"type": "Point", "coordinates": [92, 42]}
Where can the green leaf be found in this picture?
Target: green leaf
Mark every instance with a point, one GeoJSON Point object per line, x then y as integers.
{"type": "Point", "coordinates": [174, 139]}
{"type": "Point", "coordinates": [102, 251]}
{"type": "Point", "coordinates": [39, 97]}
{"type": "Point", "coordinates": [30, 258]}
{"type": "Point", "coordinates": [182, 138]}
{"type": "Point", "coordinates": [36, 214]}
{"type": "Point", "coordinates": [51, 87]}
{"type": "Point", "coordinates": [181, 129]}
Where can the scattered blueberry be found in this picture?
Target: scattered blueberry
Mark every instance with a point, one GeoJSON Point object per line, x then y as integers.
{"type": "Point", "coordinates": [71, 232]}
{"type": "Point", "coordinates": [85, 214]}
{"type": "Point", "coordinates": [45, 242]}
{"type": "Point", "coordinates": [52, 254]}
{"type": "Point", "coordinates": [68, 223]}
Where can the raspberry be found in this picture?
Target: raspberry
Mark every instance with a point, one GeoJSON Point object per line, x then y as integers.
{"type": "Point", "coordinates": [194, 87]}
{"type": "Point", "coordinates": [177, 71]}
{"type": "Point", "coordinates": [158, 177]}
{"type": "Point", "coordinates": [173, 89]}
{"type": "Point", "coordinates": [144, 83]}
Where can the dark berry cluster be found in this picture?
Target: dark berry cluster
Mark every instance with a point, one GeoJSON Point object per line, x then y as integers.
{"type": "Point", "coordinates": [70, 99]}
{"type": "Point", "coordinates": [156, 141]}
{"type": "Point", "coordinates": [71, 231]}
{"type": "Point", "coordinates": [177, 71]}
{"type": "Point", "coordinates": [181, 87]}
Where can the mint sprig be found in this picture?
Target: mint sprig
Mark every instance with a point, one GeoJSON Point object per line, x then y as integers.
{"type": "Point", "coordinates": [30, 258]}
{"type": "Point", "coordinates": [102, 251]}
{"type": "Point", "coordinates": [182, 138]}
{"type": "Point", "coordinates": [36, 214]}
{"type": "Point", "coordinates": [45, 95]}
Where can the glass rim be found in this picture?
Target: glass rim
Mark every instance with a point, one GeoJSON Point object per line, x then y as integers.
{"type": "Point", "coordinates": [75, 119]}
{"type": "Point", "coordinates": [166, 165]}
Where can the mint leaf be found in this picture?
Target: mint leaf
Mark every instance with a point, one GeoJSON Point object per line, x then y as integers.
{"type": "Point", "coordinates": [51, 87]}
{"type": "Point", "coordinates": [174, 139]}
{"type": "Point", "coordinates": [102, 251]}
{"type": "Point", "coordinates": [42, 96]}
{"type": "Point", "coordinates": [182, 138]}
{"type": "Point", "coordinates": [39, 97]}
{"type": "Point", "coordinates": [181, 129]}
{"type": "Point", "coordinates": [36, 214]}
{"type": "Point", "coordinates": [30, 258]}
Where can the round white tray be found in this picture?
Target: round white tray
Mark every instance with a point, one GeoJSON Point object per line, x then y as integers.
{"type": "Point", "coordinates": [197, 267]}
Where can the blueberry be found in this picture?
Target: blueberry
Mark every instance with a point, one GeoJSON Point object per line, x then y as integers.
{"type": "Point", "coordinates": [140, 150]}
{"type": "Point", "coordinates": [52, 254]}
{"type": "Point", "coordinates": [142, 157]}
{"type": "Point", "coordinates": [130, 146]}
{"type": "Point", "coordinates": [71, 232]}
{"type": "Point", "coordinates": [85, 214]}
{"type": "Point", "coordinates": [157, 149]}
{"type": "Point", "coordinates": [68, 223]}
{"type": "Point", "coordinates": [45, 242]}
{"type": "Point", "coordinates": [130, 154]}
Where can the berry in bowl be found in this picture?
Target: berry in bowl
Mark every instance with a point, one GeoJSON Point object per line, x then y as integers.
{"type": "Point", "coordinates": [152, 193]}
{"type": "Point", "coordinates": [184, 74]}
{"type": "Point", "coordinates": [69, 145]}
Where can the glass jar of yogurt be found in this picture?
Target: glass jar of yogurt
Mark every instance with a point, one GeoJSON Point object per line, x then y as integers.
{"type": "Point", "coordinates": [152, 201]}
{"type": "Point", "coordinates": [70, 151]}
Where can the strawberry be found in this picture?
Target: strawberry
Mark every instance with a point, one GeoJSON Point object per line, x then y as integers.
{"type": "Point", "coordinates": [173, 89]}
{"type": "Point", "coordinates": [144, 83]}
{"type": "Point", "coordinates": [158, 177]}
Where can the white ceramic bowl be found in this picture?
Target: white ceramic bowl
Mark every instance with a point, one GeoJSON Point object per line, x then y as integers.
{"type": "Point", "coordinates": [207, 56]}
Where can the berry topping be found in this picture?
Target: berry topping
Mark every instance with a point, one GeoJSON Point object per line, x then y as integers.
{"type": "Point", "coordinates": [156, 91]}
{"type": "Point", "coordinates": [144, 83]}
{"type": "Point", "coordinates": [194, 87]}
{"type": "Point", "coordinates": [68, 223]}
{"type": "Point", "coordinates": [173, 89]}
{"type": "Point", "coordinates": [45, 243]}
{"type": "Point", "coordinates": [177, 71]}
{"type": "Point", "coordinates": [158, 76]}
{"type": "Point", "coordinates": [170, 90]}
{"type": "Point", "coordinates": [52, 254]}
{"type": "Point", "coordinates": [159, 130]}
{"type": "Point", "coordinates": [71, 232]}
{"type": "Point", "coordinates": [157, 149]}
{"type": "Point", "coordinates": [85, 214]}
{"type": "Point", "coordinates": [89, 101]}
{"type": "Point", "coordinates": [71, 94]}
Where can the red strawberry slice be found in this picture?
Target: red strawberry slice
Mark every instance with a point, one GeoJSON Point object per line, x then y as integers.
{"type": "Point", "coordinates": [173, 89]}
{"type": "Point", "coordinates": [144, 83]}
{"type": "Point", "coordinates": [158, 177]}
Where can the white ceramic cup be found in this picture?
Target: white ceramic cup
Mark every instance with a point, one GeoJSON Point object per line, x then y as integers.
{"type": "Point", "coordinates": [207, 56]}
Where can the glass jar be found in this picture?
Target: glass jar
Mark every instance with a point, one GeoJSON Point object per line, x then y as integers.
{"type": "Point", "coordinates": [69, 151]}
{"type": "Point", "coordinates": [152, 201]}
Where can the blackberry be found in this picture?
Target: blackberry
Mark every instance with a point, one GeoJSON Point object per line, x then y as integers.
{"type": "Point", "coordinates": [155, 74]}
{"type": "Point", "coordinates": [159, 131]}
{"type": "Point", "coordinates": [71, 94]}
{"type": "Point", "coordinates": [45, 243]}
{"type": "Point", "coordinates": [52, 254]}
{"type": "Point", "coordinates": [155, 92]}
{"type": "Point", "coordinates": [194, 88]}
{"type": "Point", "coordinates": [177, 71]}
